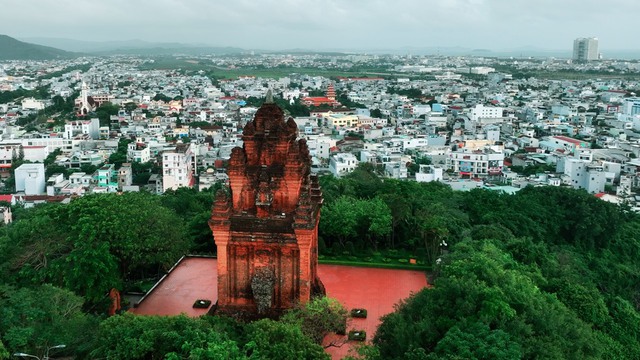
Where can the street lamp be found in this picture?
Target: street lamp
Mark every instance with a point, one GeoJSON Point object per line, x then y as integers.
{"type": "Point", "coordinates": [46, 354]}
{"type": "Point", "coordinates": [25, 355]}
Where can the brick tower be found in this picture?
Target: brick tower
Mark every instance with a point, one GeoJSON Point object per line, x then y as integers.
{"type": "Point", "coordinates": [266, 226]}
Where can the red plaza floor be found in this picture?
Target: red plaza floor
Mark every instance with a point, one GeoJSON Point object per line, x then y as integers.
{"type": "Point", "coordinates": [376, 290]}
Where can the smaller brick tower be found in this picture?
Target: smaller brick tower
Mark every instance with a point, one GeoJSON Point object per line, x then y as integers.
{"type": "Point", "coordinates": [266, 226]}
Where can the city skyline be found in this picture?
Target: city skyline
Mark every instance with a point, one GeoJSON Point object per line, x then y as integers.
{"type": "Point", "coordinates": [353, 25]}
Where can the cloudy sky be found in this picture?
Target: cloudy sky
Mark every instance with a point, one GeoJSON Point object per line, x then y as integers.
{"type": "Point", "coordinates": [331, 24]}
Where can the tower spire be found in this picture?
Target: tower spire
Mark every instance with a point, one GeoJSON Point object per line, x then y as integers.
{"type": "Point", "coordinates": [269, 99]}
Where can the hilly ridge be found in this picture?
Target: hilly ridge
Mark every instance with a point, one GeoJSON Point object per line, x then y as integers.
{"type": "Point", "coordinates": [12, 49]}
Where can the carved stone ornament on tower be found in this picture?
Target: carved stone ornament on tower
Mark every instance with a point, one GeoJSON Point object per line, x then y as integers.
{"type": "Point", "coordinates": [265, 226]}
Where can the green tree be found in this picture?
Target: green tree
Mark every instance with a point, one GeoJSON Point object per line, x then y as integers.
{"type": "Point", "coordinates": [4, 354]}
{"type": "Point", "coordinates": [51, 158]}
{"type": "Point", "coordinates": [56, 169]}
{"type": "Point", "coordinates": [33, 319]}
{"type": "Point", "coordinates": [161, 97]}
{"type": "Point", "coordinates": [120, 156]}
{"type": "Point", "coordinates": [105, 111]}
{"type": "Point", "coordinates": [275, 340]}
{"type": "Point", "coordinates": [340, 219]}
{"type": "Point", "coordinates": [318, 317]}
{"type": "Point", "coordinates": [94, 243]}
{"type": "Point", "coordinates": [195, 209]}
{"type": "Point", "coordinates": [130, 106]}
{"type": "Point", "coordinates": [481, 300]}
{"type": "Point", "coordinates": [134, 337]}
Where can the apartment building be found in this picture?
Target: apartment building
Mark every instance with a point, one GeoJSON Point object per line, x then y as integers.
{"type": "Point", "coordinates": [177, 168]}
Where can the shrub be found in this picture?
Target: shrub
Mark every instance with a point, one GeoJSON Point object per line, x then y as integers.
{"type": "Point", "coordinates": [357, 335]}
{"type": "Point", "coordinates": [322, 246]}
{"type": "Point", "coordinates": [318, 317]}
{"type": "Point", "coordinates": [350, 248]}
{"type": "Point", "coordinates": [201, 304]}
{"type": "Point", "coordinates": [359, 313]}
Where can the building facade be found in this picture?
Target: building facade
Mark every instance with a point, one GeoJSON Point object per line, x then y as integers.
{"type": "Point", "coordinates": [82, 127]}
{"type": "Point", "coordinates": [342, 164]}
{"type": "Point", "coordinates": [476, 163]}
{"type": "Point", "coordinates": [177, 168]}
{"type": "Point", "coordinates": [585, 49]}
{"type": "Point", "coordinates": [30, 179]}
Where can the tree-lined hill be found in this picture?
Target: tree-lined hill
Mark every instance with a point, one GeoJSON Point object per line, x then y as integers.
{"type": "Point", "coordinates": [547, 273]}
{"type": "Point", "coordinates": [12, 49]}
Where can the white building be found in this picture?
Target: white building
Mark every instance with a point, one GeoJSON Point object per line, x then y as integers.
{"type": "Point", "coordinates": [125, 176]}
{"type": "Point", "coordinates": [35, 153]}
{"type": "Point", "coordinates": [137, 152]}
{"type": "Point", "coordinates": [421, 109]}
{"type": "Point", "coordinates": [428, 173]}
{"type": "Point", "coordinates": [342, 164]}
{"type": "Point", "coordinates": [30, 179]}
{"type": "Point", "coordinates": [631, 111]}
{"type": "Point", "coordinates": [53, 143]}
{"type": "Point", "coordinates": [476, 163]}
{"type": "Point", "coordinates": [409, 144]}
{"type": "Point", "coordinates": [88, 127]}
{"type": "Point", "coordinates": [320, 145]}
{"type": "Point", "coordinates": [583, 174]}
{"type": "Point", "coordinates": [396, 170]}
{"type": "Point", "coordinates": [585, 49]}
{"type": "Point", "coordinates": [177, 168]}
{"type": "Point", "coordinates": [485, 112]}
{"type": "Point", "coordinates": [32, 104]}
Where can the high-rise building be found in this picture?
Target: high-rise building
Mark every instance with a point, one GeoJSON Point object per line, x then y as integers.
{"type": "Point", "coordinates": [585, 49]}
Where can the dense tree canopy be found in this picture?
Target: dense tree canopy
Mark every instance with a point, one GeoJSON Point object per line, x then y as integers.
{"type": "Point", "coordinates": [34, 318]}
{"type": "Point", "coordinates": [549, 272]}
{"type": "Point", "coordinates": [208, 337]}
{"type": "Point", "coordinates": [92, 244]}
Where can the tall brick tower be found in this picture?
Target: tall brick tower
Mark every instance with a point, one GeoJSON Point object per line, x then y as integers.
{"type": "Point", "coordinates": [266, 226]}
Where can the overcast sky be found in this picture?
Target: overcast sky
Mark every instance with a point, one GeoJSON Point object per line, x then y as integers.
{"type": "Point", "coordinates": [331, 24]}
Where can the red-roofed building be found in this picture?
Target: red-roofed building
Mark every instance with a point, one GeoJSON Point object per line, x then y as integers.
{"type": "Point", "coordinates": [7, 198]}
{"type": "Point", "coordinates": [569, 144]}
{"type": "Point", "coordinates": [330, 99]}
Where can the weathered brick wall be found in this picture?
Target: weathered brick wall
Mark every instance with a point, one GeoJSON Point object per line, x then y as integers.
{"type": "Point", "coordinates": [270, 219]}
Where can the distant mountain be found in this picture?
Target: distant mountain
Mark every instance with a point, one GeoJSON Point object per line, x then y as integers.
{"type": "Point", "coordinates": [12, 49]}
{"type": "Point", "coordinates": [133, 47]}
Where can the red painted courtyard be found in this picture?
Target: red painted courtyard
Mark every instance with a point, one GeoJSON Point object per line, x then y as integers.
{"type": "Point", "coordinates": [376, 290]}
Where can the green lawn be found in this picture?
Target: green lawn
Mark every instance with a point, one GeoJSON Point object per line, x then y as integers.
{"type": "Point", "coordinates": [374, 264]}
{"type": "Point", "coordinates": [187, 64]}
